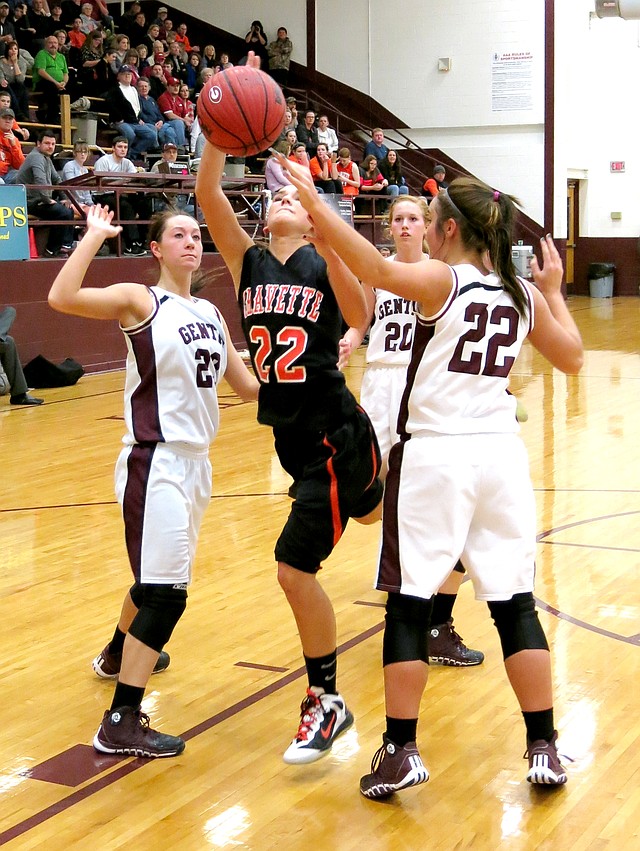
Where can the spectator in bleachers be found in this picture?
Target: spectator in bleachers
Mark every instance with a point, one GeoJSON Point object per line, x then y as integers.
{"type": "Point", "coordinates": [175, 110]}
{"type": "Point", "coordinates": [123, 105]}
{"type": "Point", "coordinates": [89, 23]}
{"type": "Point", "coordinates": [143, 58]}
{"type": "Point", "coordinates": [76, 37]}
{"type": "Point", "coordinates": [205, 75]}
{"type": "Point", "coordinates": [372, 182]}
{"type": "Point", "coordinates": [292, 105]}
{"type": "Point", "coordinates": [11, 153]}
{"type": "Point", "coordinates": [161, 17]}
{"type": "Point", "coordinates": [178, 65]}
{"type": "Point", "coordinates": [131, 59]}
{"type": "Point", "coordinates": [193, 69]}
{"type": "Point", "coordinates": [376, 146]}
{"type": "Point", "coordinates": [127, 19]}
{"type": "Point", "coordinates": [289, 123]}
{"type": "Point", "coordinates": [327, 135]}
{"type": "Point", "coordinates": [132, 205]}
{"type": "Point", "coordinates": [197, 139]}
{"type": "Point", "coordinates": [433, 185]}
{"type": "Point", "coordinates": [224, 62]}
{"type": "Point", "coordinates": [71, 9]}
{"type": "Point", "coordinates": [256, 40]}
{"type": "Point", "coordinates": [76, 167]}
{"type": "Point", "coordinates": [209, 57]}
{"type": "Point", "coordinates": [121, 44]}
{"type": "Point", "coordinates": [307, 132]}
{"type": "Point", "coordinates": [13, 70]}
{"type": "Point", "coordinates": [275, 176]}
{"type": "Point", "coordinates": [291, 139]}
{"type": "Point", "coordinates": [151, 36]}
{"type": "Point", "coordinates": [279, 52]}
{"type": "Point", "coordinates": [7, 30]}
{"type": "Point", "coordinates": [324, 171]}
{"type": "Point", "coordinates": [151, 114]}
{"type": "Point", "coordinates": [41, 22]}
{"type": "Point", "coordinates": [167, 30]}
{"type": "Point", "coordinates": [22, 26]}
{"type": "Point", "coordinates": [157, 81]}
{"type": "Point", "coordinates": [392, 172]}
{"type": "Point", "coordinates": [50, 77]}
{"type": "Point", "coordinates": [21, 132]}
{"type": "Point", "coordinates": [37, 171]}
{"type": "Point", "coordinates": [55, 12]}
{"type": "Point", "coordinates": [183, 38]}
{"type": "Point", "coordinates": [94, 72]}
{"type": "Point", "coordinates": [189, 104]}
{"type": "Point", "coordinates": [348, 173]}
{"type": "Point", "coordinates": [137, 31]}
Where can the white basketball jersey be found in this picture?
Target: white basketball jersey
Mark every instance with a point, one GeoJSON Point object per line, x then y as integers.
{"type": "Point", "coordinates": [175, 359]}
{"type": "Point", "coordinates": [459, 372]}
{"type": "Point", "coordinates": [391, 332]}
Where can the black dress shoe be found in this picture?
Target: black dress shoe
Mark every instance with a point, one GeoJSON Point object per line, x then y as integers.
{"type": "Point", "coordinates": [25, 399]}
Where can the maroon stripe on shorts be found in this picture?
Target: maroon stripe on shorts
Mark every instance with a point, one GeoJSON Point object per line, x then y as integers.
{"type": "Point", "coordinates": [133, 504]}
{"type": "Point", "coordinates": [389, 576]}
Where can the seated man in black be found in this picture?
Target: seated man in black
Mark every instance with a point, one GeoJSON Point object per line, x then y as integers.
{"type": "Point", "coordinates": [10, 362]}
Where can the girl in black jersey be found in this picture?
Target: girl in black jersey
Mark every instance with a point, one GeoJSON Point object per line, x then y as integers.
{"type": "Point", "coordinates": [293, 297]}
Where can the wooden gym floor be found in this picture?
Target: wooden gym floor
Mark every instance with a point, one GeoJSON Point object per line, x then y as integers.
{"type": "Point", "coordinates": [236, 679]}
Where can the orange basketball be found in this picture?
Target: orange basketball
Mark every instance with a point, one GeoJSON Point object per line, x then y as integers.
{"type": "Point", "coordinates": [241, 111]}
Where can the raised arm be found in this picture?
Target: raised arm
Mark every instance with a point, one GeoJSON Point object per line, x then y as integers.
{"type": "Point", "coordinates": [555, 334]}
{"type": "Point", "coordinates": [128, 303]}
{"type": "Point", "coordinates": [428, 282]}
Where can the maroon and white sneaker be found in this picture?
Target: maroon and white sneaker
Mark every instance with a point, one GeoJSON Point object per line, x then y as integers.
{"type": "Point", "coordinates": [545, 767]}
{"type": "Point", "coordinates": [447, 648]}
{"type": "Point", "coordinates": [393, 768]}
{"type": "Point", "coordinates": [322, 718]}
{"type": "Point", "coordinates": [126, 731]}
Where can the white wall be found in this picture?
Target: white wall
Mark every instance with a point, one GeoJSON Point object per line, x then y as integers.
{"type": "Point", "coordinates": [236, 17]}
{"type": "Point", "coordinates": [598, 120]}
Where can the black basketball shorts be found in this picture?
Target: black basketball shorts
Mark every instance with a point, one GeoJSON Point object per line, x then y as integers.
{"type": "Point", "coordinates": [336, 477]}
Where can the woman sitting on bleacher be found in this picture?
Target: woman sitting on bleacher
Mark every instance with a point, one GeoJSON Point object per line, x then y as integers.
{"type": "Point", "coordinates": [94, 73]}
{"type": "Point", "coordinates": [372, 182]}
{"type": "Point", "coordinates": [392, 171]}
{"type": "Point", "coordinates": [13, 69]}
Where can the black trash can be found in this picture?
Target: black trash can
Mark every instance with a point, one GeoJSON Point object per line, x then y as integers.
{"type": "Point", "coordinates": [601, 280]}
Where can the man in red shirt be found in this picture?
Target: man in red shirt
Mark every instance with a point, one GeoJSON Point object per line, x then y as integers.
{"type": "Point", "coordinates": [175, 111]}
{"type": "Point", "coordinates": [11, 156]}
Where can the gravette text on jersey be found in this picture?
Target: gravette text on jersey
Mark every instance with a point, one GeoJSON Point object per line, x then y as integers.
{"type": "Point", "coordinates": [283, 298]}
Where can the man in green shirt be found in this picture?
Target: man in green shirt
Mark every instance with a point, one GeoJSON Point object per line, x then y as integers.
{"type": "Point", "coordinates": [50, 76]}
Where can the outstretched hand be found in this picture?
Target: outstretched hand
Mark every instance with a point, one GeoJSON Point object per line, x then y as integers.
{"type": "Point", "coordinates": [99, 220]}
{"type": "Point", "coordinates": [548, 277]}
{"type": "Point", "coordinates": [300, 176]}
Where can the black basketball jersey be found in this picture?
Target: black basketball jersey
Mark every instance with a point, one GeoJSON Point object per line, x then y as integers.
{"type": "Point", "coordinates": [293, 325]}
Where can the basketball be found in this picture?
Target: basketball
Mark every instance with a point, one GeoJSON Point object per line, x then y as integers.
{"type": "Point", "coordinates": [241, 111]}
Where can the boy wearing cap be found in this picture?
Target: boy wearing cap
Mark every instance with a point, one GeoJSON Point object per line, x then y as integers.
{"type": "Point", "coordinates": [123, 105]}
{"type": "Point", "coordinates": [11, 155]}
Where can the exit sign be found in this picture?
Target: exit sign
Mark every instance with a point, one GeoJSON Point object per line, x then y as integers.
{"type": "Point", "coordinates": [617, 165]}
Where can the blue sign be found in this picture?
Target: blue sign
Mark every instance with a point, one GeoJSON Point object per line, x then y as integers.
{"type": "Point", "coordinates": [14, 223]}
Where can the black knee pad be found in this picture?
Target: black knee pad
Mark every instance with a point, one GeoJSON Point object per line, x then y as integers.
{"type": "Point", "coordinates": [161, 609]}
{"type": "Point", "coordinates": [136, 592]}
{"type": "Point", "coordinates": [406, 629]}
{"type": "Point", "coordinates": [517, 623]}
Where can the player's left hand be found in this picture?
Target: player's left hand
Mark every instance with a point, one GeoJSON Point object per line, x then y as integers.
{"type": "Point", "coordinates": [548, 277]}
